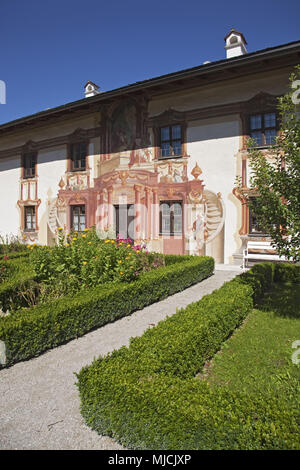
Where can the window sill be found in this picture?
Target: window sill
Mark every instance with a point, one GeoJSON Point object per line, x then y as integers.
{"type": "Point", "coordinates": [259, 235]}
{"type": "Point", "coordinates": [263, 147]}
{"type": "Point", "coordinates": [170, 234]}
{"type": "Point", "coordinates": [169, 157]}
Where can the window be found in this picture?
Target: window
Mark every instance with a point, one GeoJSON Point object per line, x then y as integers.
{"type": "Point", "coordinates": [29, 161]}
{"type": "Point", "coordinates": [78, 154]}
{"type": "Point", "coordinates": [170, 141]}
{"type": "Point", "coordinates": [29, 214]}
{"type": "Point", "coordinates": [78, 218]}
{"type": "Point", "coordinates": [124, 220]}
{"type": "Point", "coordinates": [263, 128]}
{"type": "Point", "coordinates": [254, 227]}
{"type": "Point", "coordinates": [171, 218]}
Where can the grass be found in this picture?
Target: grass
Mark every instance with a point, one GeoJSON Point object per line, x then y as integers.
{"type": "Point", "coordinates": [257, 358]}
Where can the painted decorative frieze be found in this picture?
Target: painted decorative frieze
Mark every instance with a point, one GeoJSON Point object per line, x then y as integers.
{"type": "Point", "coordinates": [171, 171]}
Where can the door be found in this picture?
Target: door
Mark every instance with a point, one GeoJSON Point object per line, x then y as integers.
{"type": "Point", "coordinates": [124, 220]}
{"type": "Point", "coordinates": [171, 227]}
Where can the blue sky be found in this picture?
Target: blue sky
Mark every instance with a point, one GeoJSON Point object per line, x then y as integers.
{"type": "Point", "coordinates": [50, 49]}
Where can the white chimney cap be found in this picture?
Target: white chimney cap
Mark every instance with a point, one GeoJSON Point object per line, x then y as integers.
{"type": "Point", "coordinates": [235, 44]}
{"type": "Point", "coordinates": [91, 89]}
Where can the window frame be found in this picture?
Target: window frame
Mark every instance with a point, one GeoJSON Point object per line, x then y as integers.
{"type": "Point", "coordinates": [33, 217]}
{"type": "Point", "coordinates": [172, 218]}
{"type": "Point", "coordinates": [72, 146]}
{"type": "Point", "coordinates": [130, 218]}
{"type": "Point", "coordinates": [72, 209]}
{"type": "Point", "coordinates": [251, 224]}
{"type": "Point", "coordinates": [26, 174]}
{"type": "Point", "coordinates": [263, 127]}
{"type": "Point", "coordinates": [170, 141]}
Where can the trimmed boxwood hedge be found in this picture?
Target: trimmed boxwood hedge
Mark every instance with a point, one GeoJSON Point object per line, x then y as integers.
{"type": "Point", "coordinates": [31, 331]}
{"type": "Point", "coordinates": [146, 396]}
{"type": "Point", "coordinates": [21, 277]}
{"type": "Point", "coordinates": [287, 272]}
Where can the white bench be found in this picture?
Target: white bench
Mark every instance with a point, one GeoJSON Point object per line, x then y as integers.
{"type": "Point", "coordinates": [260, 251]}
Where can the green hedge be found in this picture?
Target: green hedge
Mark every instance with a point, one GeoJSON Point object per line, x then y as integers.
{"type": "Point", "coordinates": [172, 259]}
{"type": "Point", "coordinates": [31, 331]}
{"type": "Point", "coordinates": [287, 272]}
{"type": "Point", "coordinates": [8, 249]}
{"type": "Point", "coordinates": [21, 278]}
{"type": "Point", "coordinates": [17, 254]}
{"type": "Point", "coordinates": [146, 396]}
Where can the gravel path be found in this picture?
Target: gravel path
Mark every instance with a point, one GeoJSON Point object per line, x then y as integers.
{"type": "Point", "coordinates": [39, 401]}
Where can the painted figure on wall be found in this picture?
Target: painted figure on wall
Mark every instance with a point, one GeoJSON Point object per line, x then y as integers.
{"type": "Point", "coordinates": [177, 176]}
{"type": "Point", "coordinates": [171, 172]}
{"type": "Point", "coordinates": [196, 238]}
{"type": "Point", "coordinates": [123, 130]}
{"type": "Point", "coordinates": [141, 154]}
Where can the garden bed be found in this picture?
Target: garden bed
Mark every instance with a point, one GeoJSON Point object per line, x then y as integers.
{"type": "Point", "coordinates": [147, 396]}
{"type": "Point", "coordinates": [30, 331]}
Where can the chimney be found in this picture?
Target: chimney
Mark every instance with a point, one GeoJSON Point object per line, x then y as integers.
{"type": "Point", "coordinates": [91, 89]}
{"type": "Point", "coordinates": [235, 44]}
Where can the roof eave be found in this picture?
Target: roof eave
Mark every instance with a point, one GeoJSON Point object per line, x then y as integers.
{"type": "Point", "coordinates": [248, 58]}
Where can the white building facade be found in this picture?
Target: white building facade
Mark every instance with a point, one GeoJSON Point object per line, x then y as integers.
{"type": "Point", "coordinates": [156, 161]}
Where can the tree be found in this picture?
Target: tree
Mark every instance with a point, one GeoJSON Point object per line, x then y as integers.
{"type": "Point", "coordinates": [276, 181]}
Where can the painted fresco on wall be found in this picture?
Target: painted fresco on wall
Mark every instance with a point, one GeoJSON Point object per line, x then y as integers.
{"type": "Point", "coordinates": [141, 154]}
{"type": "Point", "coordinates": [171, 172]}
{"type": "Point", "coordinates": [123, 130]}
{"type": "Point", "coordinates": [198, 233]}
{"type": "Point", "coordinates": [78, 182]}
{"type": "Point", "coordinates": [125, 135]}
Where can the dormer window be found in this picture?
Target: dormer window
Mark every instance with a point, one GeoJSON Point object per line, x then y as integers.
{"type": "Point", "coordinates": [263, 128]}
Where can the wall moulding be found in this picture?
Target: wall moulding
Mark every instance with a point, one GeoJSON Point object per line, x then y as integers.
{"type": "Point", "coordinates": [48, 143]}
{"type": "Point", "coordinates": [257, 103]}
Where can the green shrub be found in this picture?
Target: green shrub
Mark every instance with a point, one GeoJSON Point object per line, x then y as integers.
{"type": "Point", "coordinates": [10, 244]}
{"type": "Point", "coordinates": [33, 330]}
{"type": "Point", "coordinates": [287, 272]}
{"type": "Point", "coordinates": [15, 255]}
{"type": "Point", "coordinates": [146, 396]}
{"type": "Point", "coordinates": [172, 259]}
{"type": "Point", "coordinates": [18, 285]}
{"type": "Point", "coordinates": [83, 260]}
{"type": "Point", "coordinates": [6, 267]}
